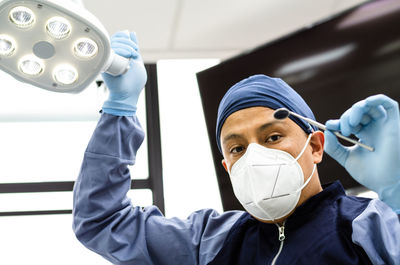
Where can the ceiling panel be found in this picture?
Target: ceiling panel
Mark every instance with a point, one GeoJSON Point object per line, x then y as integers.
{"type": "Point", "coordinates": [152, 20]}
{"type": "Point", "coordinates": [236, 24]}
{"type": "Point", "coordinates": [210, 28]}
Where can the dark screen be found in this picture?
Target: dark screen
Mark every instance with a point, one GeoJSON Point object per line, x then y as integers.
{"type": "Point", "coordinates": [332, 65]}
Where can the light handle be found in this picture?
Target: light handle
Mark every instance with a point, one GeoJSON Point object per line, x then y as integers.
{"type": "Point", "coordinates": [116, 64]}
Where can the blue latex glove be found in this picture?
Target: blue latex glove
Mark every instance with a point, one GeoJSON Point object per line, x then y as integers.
{"type": "Point", "coordinates": [376, 122]}
{"type": "Point", "coordinates": [125, 89]}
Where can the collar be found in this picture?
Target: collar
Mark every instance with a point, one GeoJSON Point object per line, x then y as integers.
{"type": "Point", "coordinates": [330, 193]}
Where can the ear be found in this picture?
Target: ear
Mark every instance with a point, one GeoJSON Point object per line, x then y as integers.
{"type": "Point", "coordinates": [317, 143]}
{"type": "Point", "coordinates": [224, 164]}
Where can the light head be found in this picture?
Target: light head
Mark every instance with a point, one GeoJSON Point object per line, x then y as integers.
{"type": "Point", "coordinates": [55, 45]}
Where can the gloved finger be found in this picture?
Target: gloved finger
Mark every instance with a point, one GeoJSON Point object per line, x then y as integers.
{"type": "Point", "coordinates": [357, 129]}
{"type": "Point", "coordinates": [124, 50]}
{"type": "Point", "coordinates": [133, 37]}
{"type": "Point", "coordinates": [126, 42]}
{"type": "Point", "coordinates": [333, 125]}
{"type": "Point", "coordinates": [366, 119]}
{"type": "Point", "coordinates": [334, 148]}
{"type": "Point", "coordinates": [121, 34]}
{"type": "Point", "coordinates": [345, 127]}
{"type": "Point", "coordinates": [357, 112]}
{"type": "Point", "coordinates": [361, 113]}
{"type": "Point", "coordinates": [377, 112]}
{"type": "Point", "coordinates": [135, 55]}
{"type": "Point", "coordinates": [372, 114]}
{"type": "Point", "coordinates": [391, 106]}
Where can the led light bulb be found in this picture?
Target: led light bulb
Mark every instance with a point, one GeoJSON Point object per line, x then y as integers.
{"type": "Point", "coordinates": [31, 65]}
{"type": "Point", "coordinates": [22, 16]}
{"type": "Point", "coordinates": [65, 74]}
{"type": "Point", "coordinates": [7, 45]}
{"type": "Point", "coordinates": [85, 48]}
{"type": "Point", "coordinates": [58, 27]}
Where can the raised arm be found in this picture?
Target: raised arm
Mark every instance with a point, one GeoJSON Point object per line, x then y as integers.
{"type": "Point", "coordinates": [105, 220]}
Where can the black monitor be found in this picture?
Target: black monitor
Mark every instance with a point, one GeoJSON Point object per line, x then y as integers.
{"type": "Point", "coordinates": [332, 65]}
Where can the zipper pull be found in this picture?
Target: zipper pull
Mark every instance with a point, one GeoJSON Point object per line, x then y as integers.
{"type": "Point", "coordinates": [282, 232]}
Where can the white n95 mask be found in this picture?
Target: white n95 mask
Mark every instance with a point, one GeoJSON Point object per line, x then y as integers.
{"type": "Point", "coordinates": [268, 182]}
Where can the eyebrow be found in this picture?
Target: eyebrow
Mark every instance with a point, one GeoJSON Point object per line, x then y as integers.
{"type": "Point", "coordinates": [259, 129]}
{"type": "Point", "coordinates": [231, 136]}
{"type": "Point", "coordinates": [267, 125]}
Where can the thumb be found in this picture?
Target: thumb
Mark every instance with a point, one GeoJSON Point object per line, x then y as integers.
{"type": "Point", "coordinates": [391, 106]}
{"type": "Point", "coordinates": [133, 37]}
{"type": "Point", "coordinates": [335, 149]}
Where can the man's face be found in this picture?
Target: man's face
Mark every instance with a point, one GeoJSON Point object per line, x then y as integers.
{"type": "Point", "coordinates": [257, 125]}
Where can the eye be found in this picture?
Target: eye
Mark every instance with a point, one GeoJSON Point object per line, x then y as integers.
{"type": "Point", "coordinates": [237, 150]}
{"type": "Point", "coordinates": [273, 138]}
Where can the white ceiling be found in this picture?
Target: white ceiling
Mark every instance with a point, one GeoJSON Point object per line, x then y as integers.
{"type": "Point", "coordinates": [210, 28]}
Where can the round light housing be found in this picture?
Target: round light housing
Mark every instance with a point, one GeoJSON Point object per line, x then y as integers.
{"type": "Point", "coordinates": [22, 16]}
{"type": "Point", "coordinates": [58, 27]}
{"type": "Point", "coordinates": [85, 48]}
{"type": "Point", "coordinates": [65, 74]}
{"type": "Point", "coordinates": [7, 45]}
{"type": "Point", "coordinates": [31, 65]}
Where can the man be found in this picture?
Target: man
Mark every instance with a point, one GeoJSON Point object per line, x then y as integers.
{"type": "Point", "coordinates": [289, 218]}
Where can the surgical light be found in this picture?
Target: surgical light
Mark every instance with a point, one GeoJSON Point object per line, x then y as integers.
{"type": "Point", "coordinates": [22, 16]}
{"type": "Point", "coordinates": [85, 48]}
{"type": "Point", "coordinates": [56, 45]}
{"type": "Point", "coordinates": [65, 74]}
{"type": "Point", "coordinates": [58, 27]}
{"type": "Point", "coordinates": [7, 45]}
{"type": "Point", "coordinates": [31, 65]}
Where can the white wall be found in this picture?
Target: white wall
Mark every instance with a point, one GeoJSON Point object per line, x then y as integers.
{"type": "Point", "coordinates": [190, 182]}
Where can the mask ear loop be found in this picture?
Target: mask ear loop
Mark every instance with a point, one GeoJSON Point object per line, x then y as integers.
{"type": "Point", "coordinates": [314, 168]}
{"type": "Point", "coordinates": [315, 165]}
{"type": "Point", "coordinates": [308, 179]}
{"type": "Point", "coordinates": [304, 147]}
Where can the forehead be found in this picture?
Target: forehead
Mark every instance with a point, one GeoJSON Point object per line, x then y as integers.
{"type": "Point", "coordinates": [254, 117]}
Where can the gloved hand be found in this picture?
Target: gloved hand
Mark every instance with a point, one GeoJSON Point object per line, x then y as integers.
{"type": "Point", "coordinates": [125, 89]}
{"type": "Point", "coordinates": [375, 121]}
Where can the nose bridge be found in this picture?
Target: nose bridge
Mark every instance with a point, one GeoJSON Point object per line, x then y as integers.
{"type": "Point", "coordinates": [253, 140]}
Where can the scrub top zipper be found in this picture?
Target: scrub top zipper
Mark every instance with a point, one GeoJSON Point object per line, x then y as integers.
{"type": "Point", "coordinates": [281, 230]}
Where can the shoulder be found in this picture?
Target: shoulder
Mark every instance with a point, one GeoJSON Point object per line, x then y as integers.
{"type": "Point", "coordinates": [350, 207]}
{"type": "Point", "coordinates": [377, 212]}
{"type": "Point", "coordinates": [377, 231]}
{"type": "Point", "coordinates": [359, 208]}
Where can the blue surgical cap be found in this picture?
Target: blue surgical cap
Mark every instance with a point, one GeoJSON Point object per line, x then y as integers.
{"type": "Point", "coordinates": [263, 91]}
